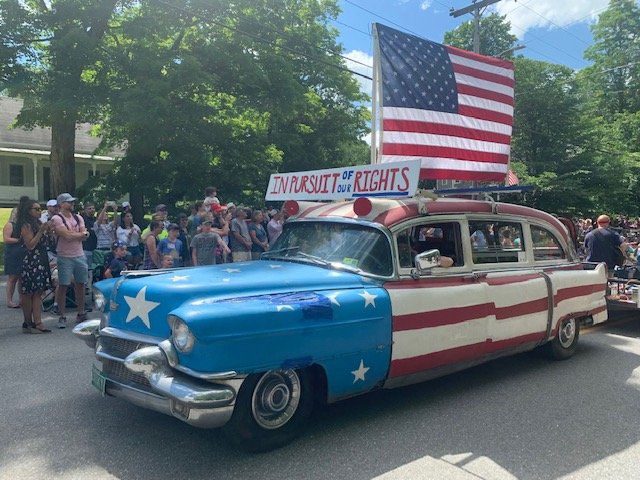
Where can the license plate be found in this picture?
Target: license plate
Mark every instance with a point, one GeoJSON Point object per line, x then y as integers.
{"type": "Point", "coordinates": [98, 380]}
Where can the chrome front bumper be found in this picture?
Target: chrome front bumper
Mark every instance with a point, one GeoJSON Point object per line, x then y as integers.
{"type": "Point", "coordinates": [197, 402]}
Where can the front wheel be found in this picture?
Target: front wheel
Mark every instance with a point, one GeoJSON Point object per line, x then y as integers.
{"type": "Point", "coordinates": [272, 408]}
{"type": "Point", "coordinates": [565, 343]}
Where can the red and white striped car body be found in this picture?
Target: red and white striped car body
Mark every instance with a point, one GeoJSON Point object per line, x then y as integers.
{"type": "Point", "coordinates": [451, 318]}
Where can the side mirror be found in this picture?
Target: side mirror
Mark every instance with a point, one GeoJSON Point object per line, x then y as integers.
{"type": "Point", "coordinates": [425, 261]}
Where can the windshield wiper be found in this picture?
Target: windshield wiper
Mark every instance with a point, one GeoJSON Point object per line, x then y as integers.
{"type": "Point", "coordinates": [297, 254]}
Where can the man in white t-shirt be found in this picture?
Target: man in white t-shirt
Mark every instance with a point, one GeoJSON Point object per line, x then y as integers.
{"type": "Point", "coordinates": [52, 209]}
{"type": "Point", "coordinates": [72, 263]}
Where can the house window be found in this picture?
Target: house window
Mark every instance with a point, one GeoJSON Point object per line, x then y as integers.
{"type": "Point", "coordinates": [16, 175]}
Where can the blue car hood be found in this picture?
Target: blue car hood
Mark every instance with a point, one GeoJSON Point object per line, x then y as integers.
{"type": "Point", "coordinates": [140, 303]}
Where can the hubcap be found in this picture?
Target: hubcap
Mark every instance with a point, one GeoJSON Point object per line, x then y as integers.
{"type": "Point", "coordinates": [567, 333]}
{"type": "Point", "coordinates": [276, 398]}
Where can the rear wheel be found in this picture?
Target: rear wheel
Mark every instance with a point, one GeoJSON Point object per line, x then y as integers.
{"type": "Point", "coordinates": [565, 343]}
{"type": "Point", "coordinates": [272, 408]}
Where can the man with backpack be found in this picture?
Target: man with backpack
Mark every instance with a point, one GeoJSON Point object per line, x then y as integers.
{"type": "Point", "coordinates": [605, 245]}
{"type": "Point", "coordinates": [72, 264]}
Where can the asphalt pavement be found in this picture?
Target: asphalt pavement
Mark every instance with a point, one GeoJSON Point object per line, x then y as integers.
{"type": "Point", "coordinates": [523, 417]}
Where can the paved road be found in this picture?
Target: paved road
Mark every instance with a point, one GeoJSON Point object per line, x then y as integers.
{"type": "Point", "coordinates": [524, 417]}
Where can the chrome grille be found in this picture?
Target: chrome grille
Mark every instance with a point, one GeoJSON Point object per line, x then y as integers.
{"type": "Point", "coordinates": [118, 372]}
{"type": "Point", "coordinates": [120, 347]}
{"type": "Point", "coordinates": [115, 370]}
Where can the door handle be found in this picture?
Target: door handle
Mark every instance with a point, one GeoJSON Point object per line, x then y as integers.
{"type": "Point", "coordinates": [475, 276]}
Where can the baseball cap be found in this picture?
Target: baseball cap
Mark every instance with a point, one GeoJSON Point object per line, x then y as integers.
{"type": "Point", "coordinates": [207, 222]}
{"type": "Point", "coordinates": [231, 205]}
{"type": "Point", "coordinates": [118, 243]}
{"type": "Point", "coordinates": [273, 212]}
{"type": "Point", "coordinates": [216, 207]}
{"type": "Point", "coordinates": [52, 203]}
{"type": "Point", "coordinates": [126, 204]}
{"type": "Point", "coordinates": [65, 197]}
{"type": "Point", "coordinates": [161, 207]}
{"type": "Point", "coordinates": [173, 226]}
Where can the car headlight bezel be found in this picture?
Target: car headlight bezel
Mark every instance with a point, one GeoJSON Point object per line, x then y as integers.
{"type": "Point", "coordinates": [99, 300]}
{"type": "Point", "coordinates": [181, 336]}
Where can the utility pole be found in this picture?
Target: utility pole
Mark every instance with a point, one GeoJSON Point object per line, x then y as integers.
{"type": "Point", "coordinates": [475, 9]}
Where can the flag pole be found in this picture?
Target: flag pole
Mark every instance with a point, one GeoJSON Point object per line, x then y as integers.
{"type": "Point", "coordinates": [376, 130]}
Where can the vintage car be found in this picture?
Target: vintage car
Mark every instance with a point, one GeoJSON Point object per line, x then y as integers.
{"type": "Point", "coordinates": [353, 296]}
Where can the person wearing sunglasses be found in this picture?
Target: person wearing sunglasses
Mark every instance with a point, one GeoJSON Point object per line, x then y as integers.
{"type": "Point", "coordinates": [35, 276]}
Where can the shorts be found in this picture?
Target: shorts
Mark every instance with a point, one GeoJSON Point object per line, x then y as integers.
{"type": "Point", "coordinates": [72, 269]}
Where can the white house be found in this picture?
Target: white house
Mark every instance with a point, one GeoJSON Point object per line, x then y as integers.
{"type": "Point", "coordinates": [24, 157]}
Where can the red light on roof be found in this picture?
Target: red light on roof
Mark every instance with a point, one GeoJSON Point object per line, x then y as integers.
{"type": "Point", "coordinates": [362, 206]}
{"type": "Point", "coordinates": [291, 207]}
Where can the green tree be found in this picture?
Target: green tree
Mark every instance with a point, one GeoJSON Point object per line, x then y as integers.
{"type": "Point", "coordinates": [227, 101]}
{"type": "Point", "coordinates": [52, 44]}
{"type": "Point", "coordinates": [495, 37]}
{"type": "Point", "coordinates": [616, 57]}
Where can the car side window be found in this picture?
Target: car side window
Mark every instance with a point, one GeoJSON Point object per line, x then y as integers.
{"type": "Point", "coordinates": [442, 236]}
{"type": "Point", "coordinates": [496, 242]}
{"type": "Point", "coordinates": [545, 245]}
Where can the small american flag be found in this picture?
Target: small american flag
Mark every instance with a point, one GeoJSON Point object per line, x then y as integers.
{"type": "Point", "coordinates": [512, 178]}
{"type": "Point", "coordinates": [448, 107]}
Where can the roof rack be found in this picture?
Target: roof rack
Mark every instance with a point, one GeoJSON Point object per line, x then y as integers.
{"type": "Point", "coordinates": [487, 190]}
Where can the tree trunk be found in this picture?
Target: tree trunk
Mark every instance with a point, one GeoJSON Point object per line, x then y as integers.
{"type": "Point", "coordinates": [136, 198]}
{"type": "Point", "coordinates": [63, 165]}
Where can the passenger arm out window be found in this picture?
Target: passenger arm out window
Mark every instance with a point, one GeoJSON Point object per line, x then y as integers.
{"type": "Point", "coordinates": [442, 236]}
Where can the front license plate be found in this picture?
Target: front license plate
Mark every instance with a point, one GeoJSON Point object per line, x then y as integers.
{"type": "Point", "coordinates": [98, 380]}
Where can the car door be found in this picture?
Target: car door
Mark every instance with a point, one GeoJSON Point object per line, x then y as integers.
{"type": "Point", "coordinates": [440, 319]}
{"type": "Point", "coordinates": [520, 295]}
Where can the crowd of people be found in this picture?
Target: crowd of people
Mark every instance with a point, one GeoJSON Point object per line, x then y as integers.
{"type": "Point", "coordinates": [70, 245]}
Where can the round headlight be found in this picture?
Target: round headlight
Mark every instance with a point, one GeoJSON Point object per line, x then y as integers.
{"type": "Point", "coordinates": [182, 337]}
{"type": "Point", "coordinates": [98, 300]}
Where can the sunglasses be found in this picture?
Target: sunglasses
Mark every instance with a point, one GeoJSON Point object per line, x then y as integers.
{"type": "Point", "coordinates": [39, 209]}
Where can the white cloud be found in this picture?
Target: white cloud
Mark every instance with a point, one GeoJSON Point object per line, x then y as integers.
{"type": "Point", "coordinates": [425, 4]}
{"type": "Point", "coordinates": [527, 14]}
{"type": "Point", "coordinates": [361, 58]}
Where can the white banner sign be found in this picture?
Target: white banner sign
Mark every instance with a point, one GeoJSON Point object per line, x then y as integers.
{"type": "Point", "coordinates": [398, 179]}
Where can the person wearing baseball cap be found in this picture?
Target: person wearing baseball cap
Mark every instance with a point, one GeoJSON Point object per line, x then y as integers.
{"type": "Point", "coordinates": [52, 209]}
{"type": "Point", "coordinates": [601, 244]}
{"type": "Point", "coordinates": [119, 262]}
{"type": "Point", "coordinates": [172, 245]}
{"type": "Point", "coordinates": [72, 262]}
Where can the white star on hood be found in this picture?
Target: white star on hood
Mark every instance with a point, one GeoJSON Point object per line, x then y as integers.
{"type": "Point", "coordinates": [178, 278]}
{"type": "Point", "coordinates": [231, 270]}
{"type": "Point", "coordinates": [140, 307]}
{"type": "Point", "coordinates": [334, 298]}
{"type": "Point", "coordinates": [360, 372]}
{"type": "Point", "coordinates": [369, 299]}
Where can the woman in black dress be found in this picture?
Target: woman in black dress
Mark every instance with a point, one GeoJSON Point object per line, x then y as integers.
{"type": "Point", "coordinates": [13, 254]}
{"type": "Point", "coordinates": [35, 277]}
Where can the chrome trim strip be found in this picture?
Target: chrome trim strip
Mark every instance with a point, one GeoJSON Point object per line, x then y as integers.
{"type": "Point", "coordinates": [172, 358]}
{"type": "Point", "coordinates": [133, 337]}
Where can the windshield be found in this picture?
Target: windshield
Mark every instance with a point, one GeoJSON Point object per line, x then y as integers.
{"type": "Point", "coordinates": [324, 243]}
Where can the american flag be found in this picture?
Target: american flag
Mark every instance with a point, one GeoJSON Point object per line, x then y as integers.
{"type": "Point", "coordinates": [451, 108]}
{"type": "Point", "coordinates": [512, 178]}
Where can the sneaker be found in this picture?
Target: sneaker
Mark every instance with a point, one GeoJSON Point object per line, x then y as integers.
{"type": "Point", "coordinates": [62, 322]}
{"type": "Point", "coordinates": [55, 310]}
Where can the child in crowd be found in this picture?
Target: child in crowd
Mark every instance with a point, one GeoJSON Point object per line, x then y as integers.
{"type": "Point", "coordinates": [119, 262]}
{"type": "Point", "coordinates": [204, 244]}
{"type": "Point", "coordinates": [166, 261]}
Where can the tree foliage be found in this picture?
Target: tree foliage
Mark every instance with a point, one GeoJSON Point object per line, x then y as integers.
{"type": "Point", "coordinates": [496, 40]}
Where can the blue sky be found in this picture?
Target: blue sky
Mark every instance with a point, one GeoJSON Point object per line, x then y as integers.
{"type": "Point", "coordinates": [555, 31]}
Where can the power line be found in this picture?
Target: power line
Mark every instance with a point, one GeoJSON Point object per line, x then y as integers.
{"type": "Point", "coordinates": [555, 24]}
